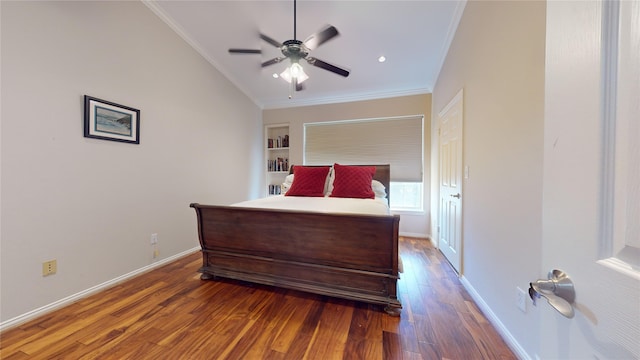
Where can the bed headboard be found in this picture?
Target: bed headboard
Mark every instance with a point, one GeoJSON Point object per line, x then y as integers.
{"type": "Point", "coordinates": [383, 174]}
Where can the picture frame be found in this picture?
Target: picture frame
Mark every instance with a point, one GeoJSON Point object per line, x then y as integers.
{"type": "Point", "coordinates": [106, 120]}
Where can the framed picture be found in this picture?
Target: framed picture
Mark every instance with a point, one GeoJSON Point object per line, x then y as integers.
{"type": "Point", "coordinates": [110, 121]}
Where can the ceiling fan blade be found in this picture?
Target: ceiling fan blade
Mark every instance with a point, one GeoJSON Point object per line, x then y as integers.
{"type": "Point", "coordinates": [272, 61]}
{"type": "Point", "coordinates": [324, 65]}
{"type": "Point", "coordinates": [270, 40]}
{"type": "Point", "coordinates": [322, 36]}
{"type": "Point", "coordinates": [245, 51]}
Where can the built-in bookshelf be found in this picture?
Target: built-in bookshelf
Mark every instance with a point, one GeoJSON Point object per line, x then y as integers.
{"type": "Point", "coordinates": [276, 157]}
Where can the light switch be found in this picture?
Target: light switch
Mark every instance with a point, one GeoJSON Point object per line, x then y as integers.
{"type": "Point", "coordinates": [466, 171]}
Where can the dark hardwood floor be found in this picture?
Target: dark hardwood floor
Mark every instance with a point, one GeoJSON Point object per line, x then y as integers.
{"type": "Point", "coordinates": [169, 313]}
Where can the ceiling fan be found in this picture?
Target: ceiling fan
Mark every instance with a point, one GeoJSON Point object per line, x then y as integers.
{"type": "Point", "coordinates": [295, 50]}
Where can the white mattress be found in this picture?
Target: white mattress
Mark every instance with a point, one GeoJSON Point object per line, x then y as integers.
{"type": "Point", "coordinates": [375, 206]}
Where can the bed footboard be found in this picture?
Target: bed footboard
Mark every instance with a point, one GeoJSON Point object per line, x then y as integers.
{"type": "Point", "coordinates": [342, 255]}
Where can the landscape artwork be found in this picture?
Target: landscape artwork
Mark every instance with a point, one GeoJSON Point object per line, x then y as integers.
{"type": "Point", "coordinates": [112, 122]}
{"type": "Point", "coordinates": [106, 120]}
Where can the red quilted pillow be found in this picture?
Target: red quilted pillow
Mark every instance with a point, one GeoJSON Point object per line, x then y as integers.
{"type": "Point", "coordinates": [353, 181]}
{"type": "Point", "coordinates": [308, 181]}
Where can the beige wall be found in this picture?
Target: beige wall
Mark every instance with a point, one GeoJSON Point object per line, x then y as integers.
{"type": "Point", "coordinates": [497, 57]}
{"type": "Point", "coordinates": [410, 224]}
{"type": "Point", "coordinates": [93, 204]}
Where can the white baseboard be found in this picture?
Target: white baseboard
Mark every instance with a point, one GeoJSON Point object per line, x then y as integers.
{"type": "Point", "coordinates": [493, 319]}
{"type": "Point", "coordinates": [20, 319]}
{"type": "Point", "coordinates": [414, 235]}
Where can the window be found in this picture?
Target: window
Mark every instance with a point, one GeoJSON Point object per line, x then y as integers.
{"type": "Point", "coordinates": [396, 141]}
{"type": "Point", "coordinates": [406, 196]}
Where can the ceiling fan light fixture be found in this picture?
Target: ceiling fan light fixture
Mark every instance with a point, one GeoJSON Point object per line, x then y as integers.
{"type": "Point", "coordinates": [294, 71]}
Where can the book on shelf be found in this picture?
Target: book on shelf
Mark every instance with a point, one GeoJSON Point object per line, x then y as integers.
{"type": "Point", "coordinates": [278, 142]}
{"type": "Point", "coordinates": [275, 189]}
{"type": "Point", "coordinates": [278, 164]}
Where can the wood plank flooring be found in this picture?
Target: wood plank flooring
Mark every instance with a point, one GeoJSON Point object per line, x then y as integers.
{"type": "Point", "coordinates": [169, 313]}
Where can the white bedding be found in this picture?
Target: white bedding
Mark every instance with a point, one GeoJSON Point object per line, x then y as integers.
{"type": "Point", "coordinates": [377, 206]}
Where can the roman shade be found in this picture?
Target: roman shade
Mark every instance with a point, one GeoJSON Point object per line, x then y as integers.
{"type": "Point", "coordinates": [396, 141]}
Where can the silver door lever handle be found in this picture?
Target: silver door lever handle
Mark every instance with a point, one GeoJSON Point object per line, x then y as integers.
{"type": "Point", "coordinates": [558, 290]}
{"type": "Point", "coordinates": [456, 196]}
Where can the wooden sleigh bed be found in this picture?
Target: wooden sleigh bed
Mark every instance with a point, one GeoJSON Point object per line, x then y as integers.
{"type": "Point", "coordinates": [350, 256]}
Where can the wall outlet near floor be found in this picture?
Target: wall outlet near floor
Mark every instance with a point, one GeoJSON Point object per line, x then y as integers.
{"type": "Point", "coordinates": [49, 267]}
{"type": "Point", "coordinates": [521, 299]}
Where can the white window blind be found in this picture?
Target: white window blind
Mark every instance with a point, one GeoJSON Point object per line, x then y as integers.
{"type": "Point", "coordinates": [395, 141]}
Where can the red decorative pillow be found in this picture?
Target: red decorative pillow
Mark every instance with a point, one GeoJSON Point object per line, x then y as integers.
{"type": "Point", "coordinates": [353, 181]}
{"type": "Point", "coordinates": [308, 181]}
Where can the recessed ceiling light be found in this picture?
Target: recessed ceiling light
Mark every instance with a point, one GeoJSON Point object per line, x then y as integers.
{"type": "Point", "coordinates": [382, 59]}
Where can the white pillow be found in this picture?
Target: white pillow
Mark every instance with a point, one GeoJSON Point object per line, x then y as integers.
{"type": "Point", "coordinates": [329, 187]}
{"type": "Point", "coordinates": [328, 184]}
{"type": "Point", "coordinates": [378, 189]}
{"type": "Point", "coordinates": [287, 183]}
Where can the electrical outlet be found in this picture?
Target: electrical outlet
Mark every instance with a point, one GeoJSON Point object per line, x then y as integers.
{"type": "Point", "coordinates": [154, 239]}
{"type": "Point", "coordinates": [521, 299]}
{"type": "Point", "coordinates": [49, 267]}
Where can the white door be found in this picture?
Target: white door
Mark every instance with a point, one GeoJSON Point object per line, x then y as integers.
{"type": "Point", "coordinates": [450, 208]}
{"type": "Point", "coordinates": [591, 179]}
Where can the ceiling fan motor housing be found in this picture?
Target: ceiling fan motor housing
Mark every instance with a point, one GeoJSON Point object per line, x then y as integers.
{"type": "Point", "coordinates": [294, 49]}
